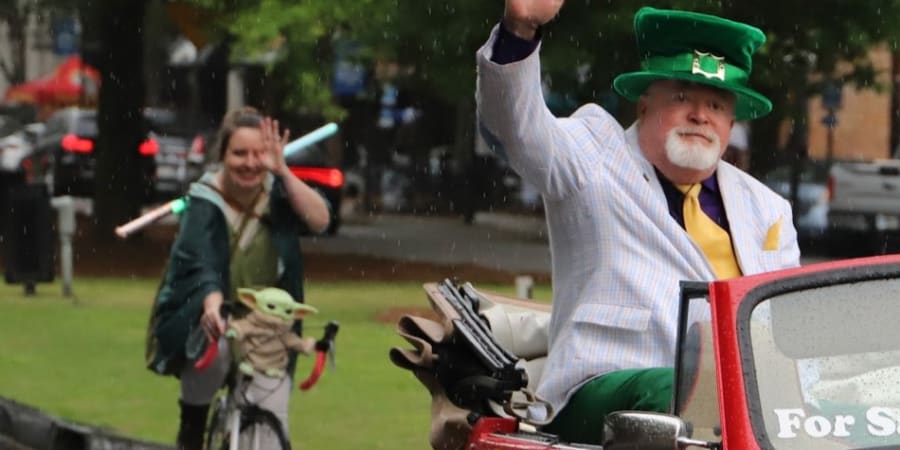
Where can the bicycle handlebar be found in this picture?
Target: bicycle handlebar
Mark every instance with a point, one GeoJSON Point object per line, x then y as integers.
{"type": "Point", "coordinates": [323, 347]}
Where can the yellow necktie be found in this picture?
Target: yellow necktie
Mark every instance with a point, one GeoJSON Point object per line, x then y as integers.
{"type": "Point", "coordinates": [708, 235]}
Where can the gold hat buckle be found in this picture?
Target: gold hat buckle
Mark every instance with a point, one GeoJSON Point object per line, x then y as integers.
{"type": "Point", "coordinates": [708, 60]}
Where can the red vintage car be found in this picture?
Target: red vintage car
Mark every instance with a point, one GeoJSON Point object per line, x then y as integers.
{"type": "Point", "coordinates": [801, 359]}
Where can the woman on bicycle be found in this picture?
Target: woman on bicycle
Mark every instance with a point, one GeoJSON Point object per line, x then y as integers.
{"type": "Point", "coordinates": [240, 228]}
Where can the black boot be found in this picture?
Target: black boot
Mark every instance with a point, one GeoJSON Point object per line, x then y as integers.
{"type": "Point", "coordinates": [192, 426]}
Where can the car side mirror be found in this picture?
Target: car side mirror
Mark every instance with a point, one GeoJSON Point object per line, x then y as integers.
{"type": "Point", "coordinates": [631, 430]}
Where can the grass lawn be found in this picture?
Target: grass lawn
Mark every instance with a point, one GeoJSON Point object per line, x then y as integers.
{"type": "Point", "coordinates": [84, 362]}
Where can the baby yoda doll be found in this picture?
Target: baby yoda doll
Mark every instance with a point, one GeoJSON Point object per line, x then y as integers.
{"type": "Point", "coordinates": [261, 339]}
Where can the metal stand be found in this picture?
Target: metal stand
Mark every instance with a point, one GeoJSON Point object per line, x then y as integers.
{"type": "Point", "coordinates": [65, 211]}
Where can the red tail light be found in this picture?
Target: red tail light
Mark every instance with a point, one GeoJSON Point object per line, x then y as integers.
{"type": "Point", "coordinates": [198, 145]}
{"type": "Point", "coordinates": [149, 147]}
{"type": "Point", "coordinates": [75, 144]}
{"type": "Point", "coordinates": [26, 169]}
{"type": "Point", "coordinates": [329, 177]}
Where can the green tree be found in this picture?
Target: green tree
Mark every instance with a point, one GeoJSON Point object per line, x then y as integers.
{"type": "Point", "coordinates": [293, 41]}
{"type": "Point", "coordinates": [806, 46]}
{"type": "Point", "coordinates": [585, 48]}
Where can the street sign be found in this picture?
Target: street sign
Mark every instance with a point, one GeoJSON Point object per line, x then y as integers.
{"type": "Point", "coordinates": [66, 35]}
{"type": "Point", "coordinates": [349, 74]}
{"type": "Point", "coordinates": [832, 94]}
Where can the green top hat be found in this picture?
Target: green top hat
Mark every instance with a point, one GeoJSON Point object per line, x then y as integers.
{"type": "Point", "coordinates": [699, 48]}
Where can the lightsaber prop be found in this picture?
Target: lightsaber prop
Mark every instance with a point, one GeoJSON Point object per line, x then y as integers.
{"type": "Point", "coordinates": [172, 207]}
{"type": "Point", "coordinates": [179, 204]}
{"type": "Point", "coordinates": [323, 132]}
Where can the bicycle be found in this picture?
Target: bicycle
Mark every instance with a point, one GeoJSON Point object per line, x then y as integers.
{"type": "Point", "coordinates": [237, 422]}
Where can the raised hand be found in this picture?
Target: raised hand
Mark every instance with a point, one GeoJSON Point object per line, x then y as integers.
{"type": "Point", "coordinates": [273, 146]}
{"type": "Point", "coordinates": [523, 17]}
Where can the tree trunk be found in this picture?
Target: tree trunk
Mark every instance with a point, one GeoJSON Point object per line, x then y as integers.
{"type": "Point", "coordinates": [765, 150]}
{"type": "Point", "coordinates": [17, 39]}
{"type": "Point", "coordinates": [467, 186]}
{"type": "Point", "coordinates": [120, 185]}
{"type": "Point", "coordinates": [14, 66]}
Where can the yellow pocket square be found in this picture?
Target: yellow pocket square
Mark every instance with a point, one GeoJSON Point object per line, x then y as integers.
{"type": "Point", "coordinates": [772, 236]}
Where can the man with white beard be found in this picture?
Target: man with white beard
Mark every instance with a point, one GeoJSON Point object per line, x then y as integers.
{"type": "Point", "coordinates": [632, 212]}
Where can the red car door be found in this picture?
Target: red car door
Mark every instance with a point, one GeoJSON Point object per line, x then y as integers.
{"type": "Point", "coordinates": [810, 357]}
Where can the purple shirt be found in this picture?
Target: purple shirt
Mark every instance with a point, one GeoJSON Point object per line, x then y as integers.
{"type": "Point", "coordinates": [510, 48]}
{"type": "Point", "coordinates": [710, 201]}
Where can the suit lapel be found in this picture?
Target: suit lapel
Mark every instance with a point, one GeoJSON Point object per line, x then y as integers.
{"type": "Point", "coordinates": [738, 202]}
{"type": "Point", "coordinates": [694, 263]}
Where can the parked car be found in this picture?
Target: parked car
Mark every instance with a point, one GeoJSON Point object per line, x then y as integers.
{"type": "Point", "coordinates": [16, 143]}
{"type": "Point", "coordinates": [865, 203]}
{"type": "Point", "coordinates": [318, 169]}
{"type": "Point", "coordinates": [181, 157]}
{"type": "Point", "coordinates": [811, 209]}
{"type": "Point", "coordinates": [16, 149]}
{"type": "Point", "coordinates": [64, 153]}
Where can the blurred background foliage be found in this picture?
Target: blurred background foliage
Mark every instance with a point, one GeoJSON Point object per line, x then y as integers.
{"type": "Point", "coordinates": [583, 50]}
{"type": "Point", "coordinates": [427, 47]}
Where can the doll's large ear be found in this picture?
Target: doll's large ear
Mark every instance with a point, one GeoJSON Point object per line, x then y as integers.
{"type": "Point", "coordinates": [302, 309]}
{"type": "Point", "coordinates": [248, 297]}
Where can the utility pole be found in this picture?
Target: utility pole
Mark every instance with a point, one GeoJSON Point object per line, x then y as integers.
{"type": "Point", "coordinates": [895, 104]}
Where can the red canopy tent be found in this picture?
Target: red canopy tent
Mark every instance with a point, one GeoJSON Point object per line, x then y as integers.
{"type": "Point", "coordinates": [72, 83]}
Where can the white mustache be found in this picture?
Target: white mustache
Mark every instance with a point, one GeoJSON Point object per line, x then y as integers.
{"type": "Point", "coordinates": [708, 135]}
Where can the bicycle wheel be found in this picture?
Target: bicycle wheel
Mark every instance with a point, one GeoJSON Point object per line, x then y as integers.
{"type": "Point", "coordinates": [217, 430]}
{"type": "Point", "coordinates": [261, 429]}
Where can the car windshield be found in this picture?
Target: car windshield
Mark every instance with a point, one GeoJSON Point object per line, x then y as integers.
{"type": "Point", "coordinates": [86, 125]}
{"type": "Point", "coordinates": [826, 367]}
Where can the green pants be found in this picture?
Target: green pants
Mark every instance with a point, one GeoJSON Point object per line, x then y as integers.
{"type": "Point", "coordinates": [581, 420]}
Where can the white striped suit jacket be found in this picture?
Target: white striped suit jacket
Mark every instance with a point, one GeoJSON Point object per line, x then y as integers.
{"type": "Point", "coordinates": [617, 254]}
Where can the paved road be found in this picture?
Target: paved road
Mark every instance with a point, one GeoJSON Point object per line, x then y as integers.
{"type": "Point", "coordinates": [497, 241]}
{"type": "Point", "coordinates": [500, 241]}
